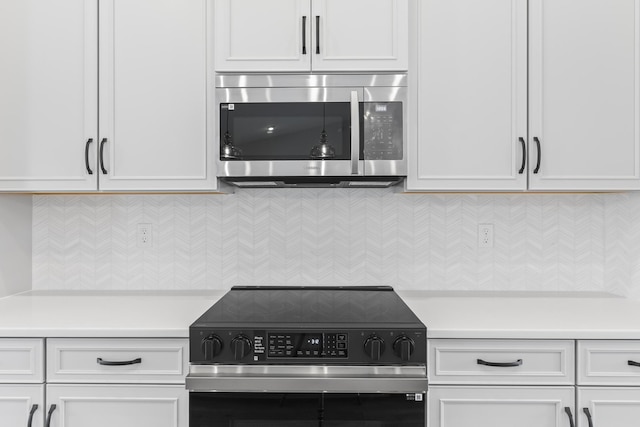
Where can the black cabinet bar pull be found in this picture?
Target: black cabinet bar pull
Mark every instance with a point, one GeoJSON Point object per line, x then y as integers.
{"type": "Point", "coordinates": [632, 363]}
{"type": "Point", "coordinates": [501, 365]}
{"type": "Point", "coordinates": [34, 408]}
{"type": "Point", "coordinates": [51, 409]}
{"type": "Point", "coordinates": [524, 155]}
{"type": "Point", "coordinates": [588, 414]}
{"type": "Point", "coordinates": [537, 141]}
{"type": "Point", "coordinates": [304, 35]}
{"type": "Point", "coordinates": [126, 362]}
{"type": "Point", "coordinates": [86, 156]}
{"type": "Point", "coordinates": [570, 415]}
{"type": "Point", "coordinates": [102, 143]}
{"type": "Point", "coordinates": [317, 35]}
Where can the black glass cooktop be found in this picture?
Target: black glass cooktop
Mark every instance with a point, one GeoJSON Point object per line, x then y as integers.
{"type": "Point", "coordinates": [302, 306]}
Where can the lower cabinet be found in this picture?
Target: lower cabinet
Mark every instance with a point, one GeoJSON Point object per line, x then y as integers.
{"type": "Point", "coordinates": [117, 405]}
{"type": "Point", "coordinates": [500, 406]}
{"type": "Point", "coordinates": [111, 382]}
{"type": "Point", "coordinates": [608, 406]}
{"type": "Point", "coordinates": [22, 405]}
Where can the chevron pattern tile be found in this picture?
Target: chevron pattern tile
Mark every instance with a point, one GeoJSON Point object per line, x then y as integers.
{"type": "Point", "coordinates": [341, 237]}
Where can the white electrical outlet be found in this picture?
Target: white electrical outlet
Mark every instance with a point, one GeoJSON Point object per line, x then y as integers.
{"type": "Point", "coordinates": [485, 235]}
{"type": "Point", "coordinates": [145, 234]}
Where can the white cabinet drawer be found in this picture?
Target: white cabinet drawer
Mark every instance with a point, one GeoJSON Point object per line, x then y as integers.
{"type": "Point", "coordinates": [501, 362]}
{"type": "Point", "coordinates": [117, 360]}
{"type": "Point", "coordinates": [21, 360]}
{"type": "Point", "coordinates": [608, 362]}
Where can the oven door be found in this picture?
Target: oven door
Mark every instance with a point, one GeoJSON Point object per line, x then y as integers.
{"type": "Point", "coordinates": [326, 396]}
{"type": "Point", "coordinates": [306, 410]}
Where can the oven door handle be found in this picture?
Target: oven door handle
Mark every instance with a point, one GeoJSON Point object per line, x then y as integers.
{"type": "Point", "coordinates": [355, 133]}
{"type": "Point", "coordinates": [278, 384]}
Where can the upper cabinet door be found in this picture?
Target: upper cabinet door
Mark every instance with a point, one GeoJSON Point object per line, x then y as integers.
{"type": "Point", "coordinates": [471, 98]}
{"type": "Point", "coordinates": [360, 35]}
{"type": "Point", "coordinates": [48, 95]}
{"type": "Point", "coordinates": [153, 96]}
{"type": "Point", "coordinates": [584, 94]}
{"type": "Point", "coordinates": [259, 35]}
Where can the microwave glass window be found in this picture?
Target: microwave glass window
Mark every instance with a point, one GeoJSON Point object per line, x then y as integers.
{"type": "Point", "coordinates": [285, 131]}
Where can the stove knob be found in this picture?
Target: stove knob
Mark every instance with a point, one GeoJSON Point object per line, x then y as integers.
{"type": "Point", "coordinates": [211, 346]}
{"type": "Point", "coordinates": [374, 347]}
{"type": "Point", "coordinates": [403, 348]}
{"type": "Point", "coordinates": [241, 346]}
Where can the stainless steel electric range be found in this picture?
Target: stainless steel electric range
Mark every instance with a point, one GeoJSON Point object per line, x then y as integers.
{"type": "Point", "coordinates": [308, 356]}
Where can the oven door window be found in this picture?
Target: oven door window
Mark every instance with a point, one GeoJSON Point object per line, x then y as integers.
{"type": "Point", "coordinates": [306, 410]}
{"type": "Point", "coordinates": [285, 131]}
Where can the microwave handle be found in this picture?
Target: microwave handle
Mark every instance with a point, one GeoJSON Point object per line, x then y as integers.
{"type": "Point", "coordinates": [355, 133]}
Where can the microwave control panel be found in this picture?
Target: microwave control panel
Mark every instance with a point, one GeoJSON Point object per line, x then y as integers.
{"type": "Point", "coordinates": [383, 139]}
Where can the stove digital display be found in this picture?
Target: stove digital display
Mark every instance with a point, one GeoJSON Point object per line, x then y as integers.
{"type": "Point", "coordinates": [307, 345]}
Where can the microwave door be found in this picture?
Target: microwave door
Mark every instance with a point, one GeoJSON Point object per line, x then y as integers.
{"type": "Point", "coordinates": [287, 132]}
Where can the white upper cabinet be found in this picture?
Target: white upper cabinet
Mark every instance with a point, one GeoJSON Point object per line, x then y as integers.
{"type": "Point", "coordinates": [256, 35]}
{"type": "Point", "coordinates": [582, 105]}
{"type": "Point", "coordinates": [472, 96]}
{"type": "Point", "coordinates": [360, 35]}
{"type": "Point", "coordinates": [153, 103]}
{"type": "Point", "coordinates": [585, 94]}
{"type": "Point", "coordinates": [48, 95]}
{"type": "Point", "coordinates": [311, 35]}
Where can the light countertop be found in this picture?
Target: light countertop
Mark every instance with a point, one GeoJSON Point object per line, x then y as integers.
{"type": "Point", "coordinates": [526, 315]}
{"type": "Point", "coordinates": [446, 314]}
{"type": "Point", "coordinates": [103, 314]}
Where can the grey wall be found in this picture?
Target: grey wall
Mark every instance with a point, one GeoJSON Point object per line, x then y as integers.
{"type": "Point", "coordinates": [15, 244]}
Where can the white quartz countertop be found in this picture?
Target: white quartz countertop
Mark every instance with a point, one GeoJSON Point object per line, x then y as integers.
{"type": "Point", "coordinates": [446, 314]}
{"type": "Point", "coordinates": [103, 314]}
{"type": "Point", "coordinates": [526, 315]}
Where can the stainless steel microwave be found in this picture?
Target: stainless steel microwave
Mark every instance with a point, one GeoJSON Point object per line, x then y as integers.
{"type": "Point", "coordinates": [311, 130]}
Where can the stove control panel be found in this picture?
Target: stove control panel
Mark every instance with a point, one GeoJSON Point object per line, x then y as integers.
{"type": "Point", "coordinates": [308, 346]}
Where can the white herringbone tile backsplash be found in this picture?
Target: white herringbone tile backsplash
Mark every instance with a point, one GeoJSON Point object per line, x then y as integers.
{"type": "Point", "coordinates": [342, 237]}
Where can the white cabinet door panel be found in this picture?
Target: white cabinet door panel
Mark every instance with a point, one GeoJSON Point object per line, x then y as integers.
{"type": "Point", "coordinates": [84, 360]}
{"type": "Point", "coordinates": [585, 94]}
{"type": "Point", "coordinates": [48, 94]}
{"type": "Point", "coordinates": [17, 402]}
{"type": "Point", "coordinates": [609, 407]}
{"type": "Point", "coordinates": [609, 362]}
{"type": "Point", "coordinates": [121, 406]}
{"type": "Point", "coordinates": [500, 406]}
{"type": "Point", "coordinates": [539, 362]}
{"type": "Point", "coordinates": [153, 103]}
{"type": "Point", "coordinates": [258, 35]}
{"type": "Point", "coordinates": [471, 97]}
{"type": "Point", "coordinates": [360, 35]}
{"type": "Point", "coordinates": [21, 360]}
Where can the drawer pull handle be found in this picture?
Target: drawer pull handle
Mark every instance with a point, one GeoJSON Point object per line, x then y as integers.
{"type": "Point", "coordinates": [51, 409]}
{"type": "Point", "coordinates": [501, 365]}
{"type": "Point", "coordinates": [570, 415]}
{"type": "Point", "coordinates": [126, 362]}
{"type": "Point", "coordinates": [34, 408]}
{"type": "Point", "coordinates": [632, 363]}
{"type": "Point", "coordinates": [588, 414]}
